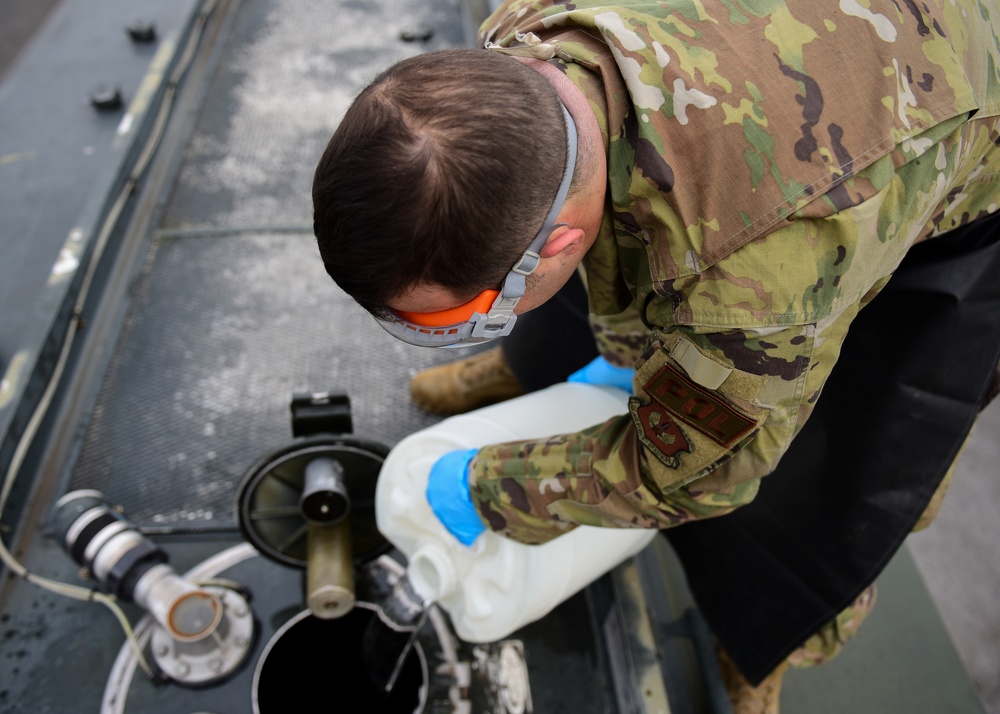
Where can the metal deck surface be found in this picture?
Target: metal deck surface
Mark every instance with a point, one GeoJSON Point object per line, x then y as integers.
{"type": "Point", "coordinates": [233, 311]}
{"type": "Point", "coordinates": [230, 313]}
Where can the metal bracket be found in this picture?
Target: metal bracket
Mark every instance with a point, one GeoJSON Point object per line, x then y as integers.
{"type": "Point", "coordinates": [321, 413]}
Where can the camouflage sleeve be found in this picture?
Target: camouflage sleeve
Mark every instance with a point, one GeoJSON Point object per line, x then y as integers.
{"type": "Point", "coordinates": [743, 240]}
{"type": "Point", "coordinates": [739, 354]}
{"type": "Point", "coordinates": [533, 492]}
{"type": "Point", "coordinates": [699, 436]}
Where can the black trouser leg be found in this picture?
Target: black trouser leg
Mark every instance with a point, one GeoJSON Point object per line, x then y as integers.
{"type": "Point", "coordinates": [915, 369]}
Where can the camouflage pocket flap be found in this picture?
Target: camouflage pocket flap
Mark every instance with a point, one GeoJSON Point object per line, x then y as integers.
{"type": "Point", "coordinates": [687, 429]}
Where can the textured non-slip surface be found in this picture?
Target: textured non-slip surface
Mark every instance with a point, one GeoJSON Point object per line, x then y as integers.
{"type": "Point", "coordinates": [222, 329]}
{"type": "Point", "coordinates": [221, 332]}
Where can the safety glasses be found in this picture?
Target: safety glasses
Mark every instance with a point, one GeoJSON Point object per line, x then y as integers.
{"type": "Point", "coordinates": [491, 313]}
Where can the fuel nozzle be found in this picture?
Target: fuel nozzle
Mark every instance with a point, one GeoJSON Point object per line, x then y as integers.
{"type": "Point", "coordinates": [203, 632]}
{"type": "Point", "coordinates": [325, 506]}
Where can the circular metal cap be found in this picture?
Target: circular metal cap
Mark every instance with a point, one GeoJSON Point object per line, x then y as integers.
{"type": "Point", "coordinates": [195, 615]}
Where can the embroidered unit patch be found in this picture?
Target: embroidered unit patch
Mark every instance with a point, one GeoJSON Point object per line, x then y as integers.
{"type": "Point", "coordinates": [659, 432]}
{"type": "Point", "coordinates": [697, 407]}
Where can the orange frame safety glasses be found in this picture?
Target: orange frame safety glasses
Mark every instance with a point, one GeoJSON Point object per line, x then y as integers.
{"type": "Point", "coordinates": [491, 313]}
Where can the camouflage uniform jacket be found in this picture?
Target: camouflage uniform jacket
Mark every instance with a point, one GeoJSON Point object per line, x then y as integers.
{"type": "Point", "coordinates": [769, 165]}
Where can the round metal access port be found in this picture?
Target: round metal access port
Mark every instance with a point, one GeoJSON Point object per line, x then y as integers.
{"type": "Point", "coordinates": [310, 661]}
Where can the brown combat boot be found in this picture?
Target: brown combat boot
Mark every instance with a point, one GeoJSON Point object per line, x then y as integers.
{"type": "Point", "coordinates": [457, 387]}
{"type": "Point", "coordinates": [746, 698]}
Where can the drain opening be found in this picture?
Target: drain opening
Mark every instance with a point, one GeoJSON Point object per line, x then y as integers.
{"type": "Point", "coordinates": [311, 660]}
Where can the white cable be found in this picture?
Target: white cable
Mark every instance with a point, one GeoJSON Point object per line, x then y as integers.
{"type": "Point", "coordinates": [31, 429]}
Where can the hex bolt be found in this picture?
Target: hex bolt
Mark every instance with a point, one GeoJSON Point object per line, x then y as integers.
{"type": "Point", "coordinates": [141, 32]}
{"type": "Point", "coordinates": [183, 669]}
{"type": "Point", "coordinates": [419, 33]}
{"type": "Point", "coordinates": [162, 650]}
{"type": "Point", "coordinates": [105, 100]}
{"type": "Point", "coordinates": [215, 665]}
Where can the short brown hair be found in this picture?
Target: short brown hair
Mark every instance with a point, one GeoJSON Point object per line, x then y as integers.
{"type": "Point", "coordinates": [441, 172]}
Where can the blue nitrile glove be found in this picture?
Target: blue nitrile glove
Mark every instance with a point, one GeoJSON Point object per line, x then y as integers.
{"type": "Point", "coordinates": [448, 494]}
{"type": "Point", "coordinates": [602, 372]}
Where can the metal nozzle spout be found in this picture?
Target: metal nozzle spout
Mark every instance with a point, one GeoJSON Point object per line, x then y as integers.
{"type": "Point", "coordinates": [330, 570]}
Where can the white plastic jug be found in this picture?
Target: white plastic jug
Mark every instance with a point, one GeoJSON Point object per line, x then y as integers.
{"type": "Point", "coordinates": [498, 585]}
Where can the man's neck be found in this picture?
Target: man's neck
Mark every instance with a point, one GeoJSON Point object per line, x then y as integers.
{"type": "Point", "coordinates": [590, 186]}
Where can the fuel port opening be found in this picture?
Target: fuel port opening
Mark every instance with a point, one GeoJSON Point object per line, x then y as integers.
{"type": "Point", "coordinates": [312, 660]}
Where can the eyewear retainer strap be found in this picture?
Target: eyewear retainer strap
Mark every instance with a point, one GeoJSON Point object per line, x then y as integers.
{"type": "Point", "coordinates": [500, 319]}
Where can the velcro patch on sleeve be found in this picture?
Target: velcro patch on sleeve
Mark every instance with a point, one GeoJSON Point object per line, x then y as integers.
{"type": "Point", "coordinates": [697, 407]}
{"type": "Point", "coordinates": [659, 432]}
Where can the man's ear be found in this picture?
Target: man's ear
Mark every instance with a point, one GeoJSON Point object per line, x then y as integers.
{"type": "Point", "coordinates": [566, 241]}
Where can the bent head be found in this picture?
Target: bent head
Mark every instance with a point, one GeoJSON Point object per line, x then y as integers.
{"type": "Point", "coordinates": [441, 174]}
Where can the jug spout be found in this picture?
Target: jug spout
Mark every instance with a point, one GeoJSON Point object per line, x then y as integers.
{"type": "Point", "coordinates": [431, 572]}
